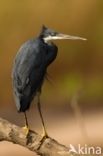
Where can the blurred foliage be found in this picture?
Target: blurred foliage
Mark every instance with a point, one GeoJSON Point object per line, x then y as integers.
{"type": "Point", "coordinates": [78, 65]}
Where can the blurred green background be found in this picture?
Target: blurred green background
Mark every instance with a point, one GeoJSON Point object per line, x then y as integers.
{"type": "Point", "coordinates": [79, 65]}
{"type": "Point", "coordinates": [78, 69]}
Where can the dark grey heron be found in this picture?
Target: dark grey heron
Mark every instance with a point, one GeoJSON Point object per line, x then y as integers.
{"type": "Point", "coordinates": [30, 69]}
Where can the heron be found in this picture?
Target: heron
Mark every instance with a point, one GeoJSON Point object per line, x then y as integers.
{"type": "Point", "coordinates": [30, 69]}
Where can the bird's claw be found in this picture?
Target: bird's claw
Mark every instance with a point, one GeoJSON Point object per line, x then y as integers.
{"type": "Point", "coordinates": [44, 136]}
{"type": "Point", "coordinates": [26, 130]}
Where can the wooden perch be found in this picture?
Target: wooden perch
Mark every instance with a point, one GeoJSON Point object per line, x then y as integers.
{"type": "Point", "coordinates": [46, 147]}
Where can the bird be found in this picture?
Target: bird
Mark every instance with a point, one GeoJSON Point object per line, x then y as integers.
{"type": "Point", "coordinates": [30, 69]}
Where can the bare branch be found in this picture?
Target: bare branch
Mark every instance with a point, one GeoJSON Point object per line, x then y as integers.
{"type": "Point", "coordinates": [46, 147]}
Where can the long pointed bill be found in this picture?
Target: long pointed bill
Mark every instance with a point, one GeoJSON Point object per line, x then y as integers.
{"type": "Point", "coordinates": [68, 37]}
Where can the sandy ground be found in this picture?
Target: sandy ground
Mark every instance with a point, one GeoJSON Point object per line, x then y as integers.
{"type": "Point", "coordinates": [67, 130]}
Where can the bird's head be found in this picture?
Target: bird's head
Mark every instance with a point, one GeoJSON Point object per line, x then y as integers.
{"type": "Point", "coordinates": [49, 35]}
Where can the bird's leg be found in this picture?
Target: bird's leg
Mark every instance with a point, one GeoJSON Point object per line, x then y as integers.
{"type": "Point", "coordinates": [44, 134]}
{"type": "Point", "coordinates": [26, 127]}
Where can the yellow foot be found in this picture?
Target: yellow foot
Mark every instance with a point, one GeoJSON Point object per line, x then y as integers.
{"type": "Point", "coordinates": [44, 135]}
{"type": "Point", "coordinates": [26, 130]}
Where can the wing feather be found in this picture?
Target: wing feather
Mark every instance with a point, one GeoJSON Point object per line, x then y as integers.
{"type": "Point", "coordinates": [28, 73]}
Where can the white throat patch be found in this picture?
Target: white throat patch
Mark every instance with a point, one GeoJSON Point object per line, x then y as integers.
{"type": "Point", "coordinates": [49, 38]}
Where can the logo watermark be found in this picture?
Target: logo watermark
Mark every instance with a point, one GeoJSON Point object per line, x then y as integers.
{"type": "Point", "coordinates": [85, 149]}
